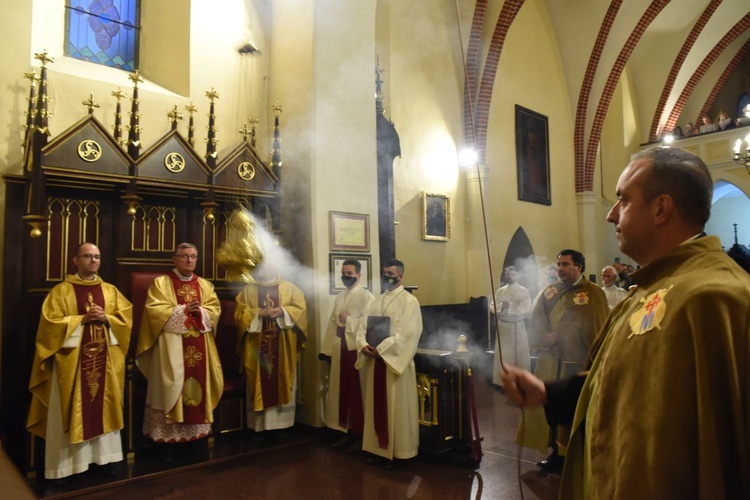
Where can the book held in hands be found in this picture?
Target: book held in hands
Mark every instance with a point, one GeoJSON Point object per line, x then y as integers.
{"type": "Point", "coordinates": [378, 329]}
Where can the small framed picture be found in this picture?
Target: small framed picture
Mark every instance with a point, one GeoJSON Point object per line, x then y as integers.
{"type": "Point", "coordinates": [337, 261]}
{"type": "Point", "coordinates": [436, 217]}
{"type": "Point", "coordinates": [349, 232]}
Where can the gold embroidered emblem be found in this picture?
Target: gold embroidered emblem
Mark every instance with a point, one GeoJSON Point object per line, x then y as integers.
{"type": "Point", "coordinates": [91, 352]}
{"type": "Point", "coordinates": [550, 292]}
{"type": "Point", "coordinates": [650, 315]}
{"type": "Point", "coordinates": [187, 294]}
{"type": "Point", "coordinates": [192, 392]}
{"type": "Point", "coordinates": [581, 298]}
{"type": "Point", "coordinates": [192, 333]}
{"type": "Point", "coordinates": [192, 356]}
{"type": "Point", "coordinates": [267, 351]}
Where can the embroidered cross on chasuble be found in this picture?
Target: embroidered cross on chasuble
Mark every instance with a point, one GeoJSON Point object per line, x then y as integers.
{"type": "Point", "coordinates": [268, 296]}
{"type": "Point", "coordinates": [193, 352]}
{"type": "Point", "coordinates": [93, 362]}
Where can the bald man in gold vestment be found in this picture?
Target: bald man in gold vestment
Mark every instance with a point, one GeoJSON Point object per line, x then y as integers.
{"type": "Point", "coordinates": [78, 374]}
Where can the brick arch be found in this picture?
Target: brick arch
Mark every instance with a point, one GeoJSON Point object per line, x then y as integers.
{"type": "Point", "coordinates": [734, 32]}
{"type": "Point", "coordinates": [677, 66]}
{"type": "Point", "coordinates": [482, 106]}
{"type": "Point", "coordinates": [722, 80]}
{"type": "Point", "coordinates": [646, 19]}
{"type": "Point", "coordinates": [579, 133]}
{"type": "Point", "coordinates": [472, 68]}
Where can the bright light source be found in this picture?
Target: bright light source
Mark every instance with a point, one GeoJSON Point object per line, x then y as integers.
{"type": "Point", "coordinates": [668, 139]}
{"type": "Point", "coordinates": [467, 157]}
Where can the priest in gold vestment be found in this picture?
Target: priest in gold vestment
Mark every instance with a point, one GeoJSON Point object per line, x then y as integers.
{"type": "Point", "coordinates": [177, 354]}
{"type": "Point", "coordinates": [271, 319]}
{"type": "Point", "coordinates": [78, 374]}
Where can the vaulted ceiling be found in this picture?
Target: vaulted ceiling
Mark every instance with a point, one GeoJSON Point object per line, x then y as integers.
{"type": "Point", "coordinates": [677, 56]}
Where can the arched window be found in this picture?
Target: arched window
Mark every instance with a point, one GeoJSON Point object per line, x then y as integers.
{"type": "Point", "coordinates": [104, 32]}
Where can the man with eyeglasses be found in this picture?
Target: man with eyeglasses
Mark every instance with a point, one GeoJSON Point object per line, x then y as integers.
{"type": "Point", "coordinates": [78, 374]}
{"type": "Point", "coordinates": [177, 354]}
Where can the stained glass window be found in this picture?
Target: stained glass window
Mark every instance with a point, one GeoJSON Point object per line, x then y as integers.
{"type": "Point", "coordinates": [103, 32]}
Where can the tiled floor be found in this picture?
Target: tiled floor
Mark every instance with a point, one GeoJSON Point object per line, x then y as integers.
{"type": "Point", "coordinates": [309, 468]}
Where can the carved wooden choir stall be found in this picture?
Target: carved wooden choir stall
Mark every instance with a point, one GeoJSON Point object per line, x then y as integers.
{"type": "Point", "coordinates": [136, 204]}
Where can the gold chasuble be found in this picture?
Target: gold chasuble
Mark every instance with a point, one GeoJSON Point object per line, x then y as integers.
{"type": "Point", "coordinates": [270, 353]}
{"type": "Point", "coordinates": [90, 366]}
{"type": "Point", "coordinates": [177, 351]}
{"type": "Point", "coordinates": [665, 408]}
{"type": "Point", "coordinates": [576, 313]}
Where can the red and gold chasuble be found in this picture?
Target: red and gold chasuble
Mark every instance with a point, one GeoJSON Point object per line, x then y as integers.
{"type": "Point", "coordinates": [193, 352]}
{"type": "Point", "coordinates": [268, 296]}
{"type": "Point", "coordinates": [93, 362]}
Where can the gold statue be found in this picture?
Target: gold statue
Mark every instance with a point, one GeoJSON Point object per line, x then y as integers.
{"type": "Point", "coordinates": [239, 254]}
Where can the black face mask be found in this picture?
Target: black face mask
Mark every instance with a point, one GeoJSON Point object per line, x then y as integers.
{"type": "Point", "coordinates": [348, 280]}
{"type": "Point", "coordinates": [388, 281]}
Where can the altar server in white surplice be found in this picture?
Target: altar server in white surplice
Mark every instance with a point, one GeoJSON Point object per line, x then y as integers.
{"type": "Point", "coordinates": [513, 305]}
{"type": "Point", "coordinates": [344, 407]}
{"type": "Point", "coordinates": [387, 342]}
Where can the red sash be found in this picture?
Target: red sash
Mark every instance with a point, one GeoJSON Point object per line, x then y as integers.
{"type": "Point", "coordinates": [193, 353]}
{"type": "Point", "coordinates": [268, 296]}
{"type": "Point", "coordinates": [350, 391]}
{"type": "Point", "coordinates": [93, 362]}
{"type": "Point", "coordinates": [186, 292]}
{"type": "Point", "coordinates": [380, 403]}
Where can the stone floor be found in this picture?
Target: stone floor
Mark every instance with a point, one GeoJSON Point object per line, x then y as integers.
{"type": "Point", "coordinates": [304, 466]}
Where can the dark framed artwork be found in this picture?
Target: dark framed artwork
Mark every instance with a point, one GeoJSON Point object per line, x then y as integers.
{"type": "Point", "coordinates": [436, 217]}
{"type": "Point", "coordinates": [532, 156]}
{"type": "Point", "coordinates": [336, 261]}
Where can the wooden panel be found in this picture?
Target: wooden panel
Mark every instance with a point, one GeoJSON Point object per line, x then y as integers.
{"type": "Point", "coordinates": [63, 152]}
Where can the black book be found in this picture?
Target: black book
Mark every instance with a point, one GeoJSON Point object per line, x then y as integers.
{"type": "Point", "coordinates": [378, 329]}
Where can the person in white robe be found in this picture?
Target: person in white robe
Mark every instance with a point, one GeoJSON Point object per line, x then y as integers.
{"type": "Point", "coordinates": [344, 404]}
{"type": "Point", "coordinates": [391, 428]}
{"type": "Point", "coordinates": [614, 293]}
{"type": "Point", "coordinates": [513, 305]}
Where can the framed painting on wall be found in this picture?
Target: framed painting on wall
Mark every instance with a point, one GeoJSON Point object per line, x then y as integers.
{"type": "Point", "coordinates": [436, 217]}
{"type": "Point", "coordinates": [532, 156]}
